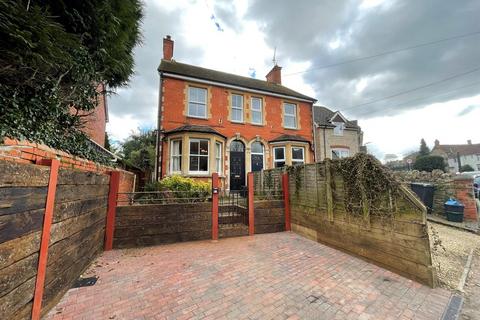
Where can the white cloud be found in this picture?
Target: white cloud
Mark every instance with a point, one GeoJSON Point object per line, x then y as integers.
{"type": "Point", "coordinates": [402, 133]}
{"type": "Point", "coordinates": [121, 127]}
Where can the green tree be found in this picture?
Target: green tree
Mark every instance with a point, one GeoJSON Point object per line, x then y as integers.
{"type": "Point", "coordinates": [52, 56]}
{"type": "Point", "coordinates": [466, 168]}
{"type": "Point", "coordinates": [424, 150]}
{"type": "Point", "coordinates": [139, 150]}
{"type": "Point", "coordinates": [429, 163]}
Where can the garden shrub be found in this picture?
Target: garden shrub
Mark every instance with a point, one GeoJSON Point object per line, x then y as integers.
{"type": "Point", "coordinates": [178, 189]}
{"type": "Point", "coordinates": [429, 163]}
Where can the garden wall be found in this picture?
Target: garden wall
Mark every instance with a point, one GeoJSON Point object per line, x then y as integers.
{"type": "Point", "coordinates": [269, 216]}
{"type": "Point", "coordinates": [382, 226]}
{"type": "Point", "coordinates": [152, 224]}
{"type": "Point", "coordinates": [77, 232]}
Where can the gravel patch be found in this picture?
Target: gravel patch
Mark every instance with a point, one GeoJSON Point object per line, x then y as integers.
{"type": "Point", "coordinates": [450, 253]}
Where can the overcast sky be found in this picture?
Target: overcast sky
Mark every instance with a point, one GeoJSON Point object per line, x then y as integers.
{"type": "Point", "coordinates": [431, 91]}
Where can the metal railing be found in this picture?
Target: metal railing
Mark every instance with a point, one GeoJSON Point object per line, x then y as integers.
{"type": "Point", "coordinates": [233, 207]}
{"type": "Point", "coordinates": [162, 197]}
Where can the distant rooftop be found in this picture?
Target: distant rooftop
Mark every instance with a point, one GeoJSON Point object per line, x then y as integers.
{"type": "Point", "coordinates": [323, 115]}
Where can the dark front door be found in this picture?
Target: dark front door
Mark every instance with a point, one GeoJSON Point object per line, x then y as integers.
{"type": "Point", "coordinates": [237, 165]}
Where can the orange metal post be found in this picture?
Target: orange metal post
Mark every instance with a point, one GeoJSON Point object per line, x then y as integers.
{"type": "Point", "coordinates": [112, 205]}
{"type": "Point", "coordinates": [215, 191]}
{"type": "Point", "coordinates": [251, 213]}
{"type": "Point", "coordinates": [45, 239]}
{"type": "Point", "coordinates": [286, 198]}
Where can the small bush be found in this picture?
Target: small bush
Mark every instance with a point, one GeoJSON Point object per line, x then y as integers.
{"type": "Point", "coordinates": [429, 163]}
{"type": "Point", "coordinates": [178, 189]}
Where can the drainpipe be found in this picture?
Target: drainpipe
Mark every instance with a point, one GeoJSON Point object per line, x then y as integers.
{"type": "Point", "coordinates": [324, 144]}
{"type": "Point", "coordinates": [158, 147]}
{"type": "Point", "coordinates": [314, 128]}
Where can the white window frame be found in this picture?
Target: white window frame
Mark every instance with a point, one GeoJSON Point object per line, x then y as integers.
{"type": "Point", "coordinates": [257, 110]}
{"type": "Point", "coordinates": [218, 157]}
{"type": "Point", "coordinates": [290, 115]}
{"type": "Point", "coordinates": [174, 155]}
{"type": "Point", "coordinates": [342, 152]}
{"type": "Point", "coordinates": [275, 160]}
{"type": "Point", "coordinates": [198, 155]}
{"type": "Point", "coordinates": [298, 160]}
{"type": "Point", "coordinates": [258, 153]}
{"type": "Point", "coordinates": [204, 103]}
{"type": "Point", "coordinates": [339, 127]}
{"type": "Point", "coordinates": [241, 108]}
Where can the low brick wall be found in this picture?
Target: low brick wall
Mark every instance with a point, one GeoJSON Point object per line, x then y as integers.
{"type": "Point", "coordinates": [76, 236]}
{"type": "Point", "coordinates": [269, 216]}
{"type": "Point", "coordinates": [144, 225]}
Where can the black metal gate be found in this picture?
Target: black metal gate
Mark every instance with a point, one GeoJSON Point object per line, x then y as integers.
{"type": "Point", "coordinates": [233, 208]}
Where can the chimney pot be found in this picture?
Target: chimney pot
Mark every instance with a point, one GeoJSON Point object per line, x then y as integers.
{"type": "Point", "coordinates": [275, 75]}
{"type": "Point", "coordinates": [168, 48]}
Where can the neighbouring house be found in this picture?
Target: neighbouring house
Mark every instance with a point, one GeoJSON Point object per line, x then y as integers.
{"type": "Point", "coordinates": [211, 121]}
{"type": "Point", "coordinates": [457, 155]}
{"type": "Point", "coordinates": [335, 136]}
{"type": "Point", "coordinates": [94, 122]}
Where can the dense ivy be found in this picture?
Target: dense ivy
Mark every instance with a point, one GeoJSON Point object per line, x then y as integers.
{"type": "Point", "coordinates": [50, 66]}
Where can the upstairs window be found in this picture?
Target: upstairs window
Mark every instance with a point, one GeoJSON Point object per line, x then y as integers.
{"type": "Point", "coordinates": [176, 156]}
{"type": "Point", "coordinates": [339, 153]}
{"type": "Point", "coordinates": [339, 127]}
{"type": "Point", "coordinates": [298, 155]}
{"type": "Point", "coordinates": [279, 157]}
{"type": "Point", "coordinates": [237, 108]}
{"type": "Point", "coordinates": [290, 115]}
{"type": "Point", "coordinates": [198, 156]}
{"type": "Point", "coordinates": [197, 102]}
{"type": "Point", "coordinates": [257, 111]}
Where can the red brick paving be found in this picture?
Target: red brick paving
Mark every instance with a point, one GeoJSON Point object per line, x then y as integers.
{"type": "Point", "coordinates": [270, 276]}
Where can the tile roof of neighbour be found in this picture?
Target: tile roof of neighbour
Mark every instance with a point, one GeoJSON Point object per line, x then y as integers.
{"type": "Point", "coordinates": [289, 137]}
{"type": "Point", "coordinates": [195, 128]}
{"type": "Point", "coordinates": [228, 78]}
{"type": "Point", "coordinates": [462, 149]}
{"type": "Point", "coordinates": [323, 115]}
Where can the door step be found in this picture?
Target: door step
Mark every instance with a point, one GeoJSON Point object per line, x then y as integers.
{"type": "Point", "coordinates": [232, 230]}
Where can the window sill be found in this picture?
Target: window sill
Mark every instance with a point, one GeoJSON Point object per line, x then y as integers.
{"type": "Point", "coordinates": [237, 122]}
{"type": "Point", "coordinates": [200, 118]}
{"type": "Point", "coordinates": [258, 124]}
{"type": "Point", "coordinates": [287, 128]}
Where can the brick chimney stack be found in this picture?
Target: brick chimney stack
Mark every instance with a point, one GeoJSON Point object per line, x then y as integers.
{"type": "Point", "coordinates": [469, 141]}
{"type": "Point", "coordinates": [437, 143]}
{"type": "Point", "coordinates": [275, 75]}
{"type": "Point", "coordinates": [167, 48]}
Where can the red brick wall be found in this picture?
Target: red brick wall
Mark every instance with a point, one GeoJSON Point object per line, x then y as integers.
{"type": "Point", "coordinates": [174, 110]}
{"type": "Point", "coordinates": [464, 194]}
{"type": "Point", "coordinates": [95, 121]}
{"type": "Point", "coordinates": [28, 152]}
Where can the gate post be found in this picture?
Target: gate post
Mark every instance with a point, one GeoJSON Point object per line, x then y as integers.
{"type": "Point", "coordinates": [251, 212]}
{"type": "Point", "coordinates": [215, 192]}
{"type": "Point", "coordinates": [112, 205]}
{"type": "Point", "coordinates": [286, 199]}
{"type": "Point", "coordinates": [45, 237]}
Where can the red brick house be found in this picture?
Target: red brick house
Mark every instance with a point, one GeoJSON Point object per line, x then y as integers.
{"type": "Point", "coordinates": [211, 121]}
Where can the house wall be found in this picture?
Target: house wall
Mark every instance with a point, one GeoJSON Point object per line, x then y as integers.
{"type": "Point", "coordinates": [473, 160]}
{"type": "Point", "coordinates": [94, 122]}
{"type": "Point", "coordinates": [350, 139]}
{"type": "Point", "coordinates": [174, 114]}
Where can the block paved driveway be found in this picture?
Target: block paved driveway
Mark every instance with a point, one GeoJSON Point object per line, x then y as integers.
{"type": "Point", "coordinates": [270, 276]}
